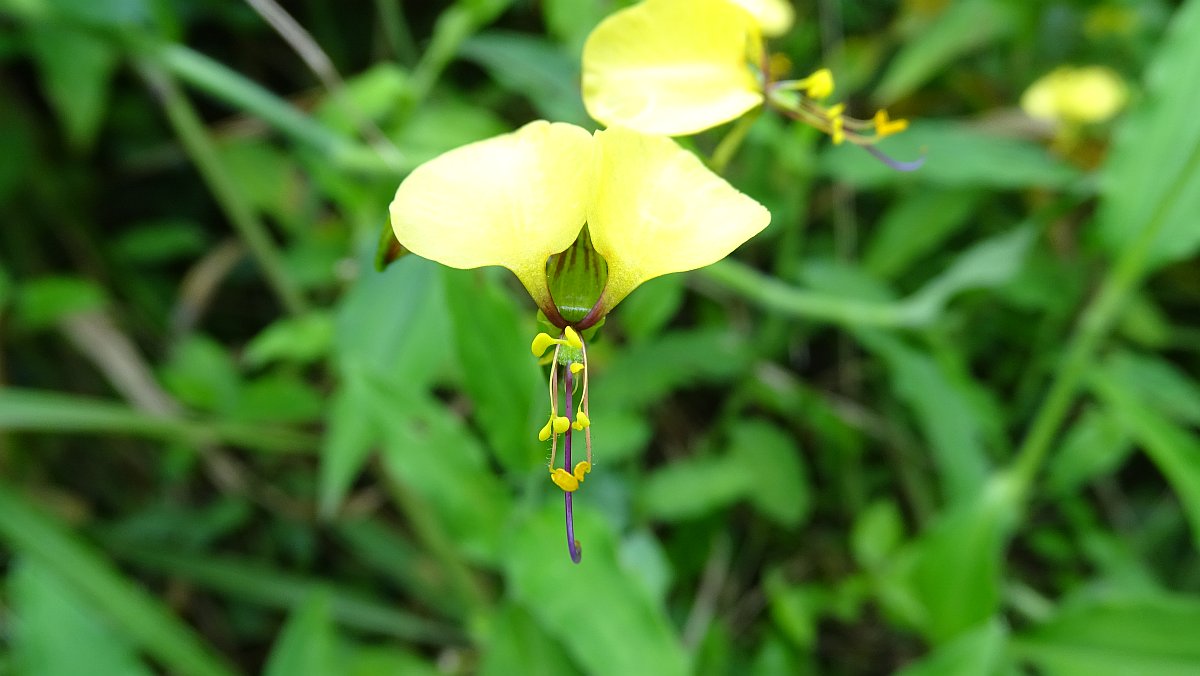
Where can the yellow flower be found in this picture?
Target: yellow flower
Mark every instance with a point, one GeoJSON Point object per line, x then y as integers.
{"type": "Point", "coordinates": [650, 207]}
{"type": "Point", "coordinates": [1076, 95]}
{"type": "Point", "coordinates": [582, 220]}
{"type": "Point", "coordinates": [678, 67]}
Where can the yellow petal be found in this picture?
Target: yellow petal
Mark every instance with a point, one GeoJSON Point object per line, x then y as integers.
{"type": "Point", "coordinates": [775, 17]}
{"type": "Point", "coordinates": [657, 209]}
{"type": "Point", "coordinates": [512, 200]}
{"type": "Point", "coordinates": [671, 66]}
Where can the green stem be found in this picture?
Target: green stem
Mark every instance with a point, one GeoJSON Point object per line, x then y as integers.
{"type": "Point", "coordinates": [729, 145]}
{"type": "Point", "coordinates": [57, 413]}
{"type": "Point", "coordinates": [1094, 324]}
{"type": "Point", "coordinates": [773, 294]}
{"type": "Point", "coordinates": [191, 131]}
{"type": "Point", "coordinates": [219, 81]}
{"type": "Point", "coordinates": [396, 31]}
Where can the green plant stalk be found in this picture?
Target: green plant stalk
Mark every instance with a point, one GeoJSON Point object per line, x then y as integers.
{"type": "Point", "coordinates": [132, 611]}
{"type": "Point", "coordinates": [396, 31]}
{"type": "Point", "coordinates": [190, 130]}
{"type": "Point", "coordinates": [218, 80]}
{"type": "Point", "coordinates": [773, 294]}
{"type": "Point", "coordinates": [57, 413]}
{"type": "Point", "coordinates": [729, 145]}
{"type": "Point", "coordinates": [1094, 324]}
{"type": "Point", "coordinates": [278, 589]}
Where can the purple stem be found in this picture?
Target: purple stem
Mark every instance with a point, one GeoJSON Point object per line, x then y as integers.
{"type": "Point", "coordinates": [572, 544]}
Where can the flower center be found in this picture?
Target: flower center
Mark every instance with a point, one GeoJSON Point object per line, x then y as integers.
{"type": "Point", "coordinates": [577, 277]}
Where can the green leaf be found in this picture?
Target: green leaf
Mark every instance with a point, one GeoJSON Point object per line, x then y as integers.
{"type": "Point", "coordinates": [779, 489]}
{"type": "Point", "coordinates": [351, 434]}
{"type": "Point", "coordinates": [1115, 636]}
{"type": "Point", "coordinates": [299, 340]}
{"type": "Point", "coordinates": [132, 612]}
{"type": "Point", "coordinates": [394, 324]}
{"type": "Point", "coordinates": [947, 581]}
{"type": "Point", "coordinates": [625, 632]}
{"type": "Point", "coordinates": [515, 644]}
{"type": "Point", "coordinates": [1159, 383]}
{"type": "Point", "coordinates": [987, 264]}
{"type": "Point", "coordinates": [76, 68]}
{"type": "Point", "coordinates": [915, 227]}
{"type": "Point", "coordinates": [961, 28]}
{"type": "Point", "coordinates": [695, 487]}
{"type": "Point", "coordinates": [1173, 449]}
{"type": "Point", "coordinates": [956, 156]}
{"type": "Point", "coordinates": [503, 379]}
{"type": "Point", "coordinates": [202, 374]}
{"type": "Point", "coordinates": [641, 374]}
{"type": "Point", "coordinates": [942, 403]}
{"type": "Point", "coordinates": [44, 301]}
{"type": "Point", "coordinates": [58, 634]}
{"type": "Point", "coordinates": [531, 66]}
{"type": "Point", "coordinates": [1095, 446]}
{"type": "Point", "coordinates": [432, 453]}
{"type": "Point", "coordinates": [979, 652]}
{"type": "Point", "coordinates": [160, 242]}
{"type": "Point", "coordinates": [876, 534]}
{"type": "Point", "coordinates": [1152, 176]}
{"type": "Point", "coordinates": [646, 311]}
{"type": "Point", "coordinates": [306, 646]}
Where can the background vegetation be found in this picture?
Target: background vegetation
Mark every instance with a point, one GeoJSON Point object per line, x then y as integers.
{"type": "Point", "coordinates": [943, 422]}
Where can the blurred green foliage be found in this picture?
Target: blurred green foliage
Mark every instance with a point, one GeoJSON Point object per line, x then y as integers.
{"type": "Point", "coordinates": [943, 422]}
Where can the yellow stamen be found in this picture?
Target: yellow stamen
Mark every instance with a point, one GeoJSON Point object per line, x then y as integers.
{"type": "Point", "coordinates": [564, 480]}
{"type": "Point", "coordinates": [556, 425]}
{"type": "Point", "coordinates": [837, 123]}
{"type": "Point", "coordinates": [572, 338]}
{"type": "Point", "coordinates": [561, 424]}
{"type": "Point", "coordinates": [576, 368]}
{"type": "Point", "coordinates": [886, 127]}
{"type": "Point", "coordinates": [819, 85]}
{"type": "Point", "coordinates": [542, 341]}
{"type": "Point", "coordinates": [582, 468]}
{"type": "Point", "coordinates": [581, 420]}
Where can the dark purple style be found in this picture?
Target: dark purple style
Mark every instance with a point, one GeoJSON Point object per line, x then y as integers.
{"type": "Point", "coordinates": [572, 543]}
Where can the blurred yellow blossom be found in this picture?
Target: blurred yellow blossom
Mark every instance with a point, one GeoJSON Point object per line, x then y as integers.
{"type": "Point", "coordinates": [1076, 95]}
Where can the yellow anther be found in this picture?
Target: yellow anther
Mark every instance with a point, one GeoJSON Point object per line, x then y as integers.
{"type": "Point", "coordinates": [542, 341]}
{"type": "Point", "coordinates": [556, 424]}
{"type": "Point", "coordinates": [835, 111]}
{"type": "Point", "coordinates": [576, 367]}
{"type": "Point", "coordinates": [564, 480]}
{"type": "Point", "coordinates": [572, 338]}
{"type": "Point", "coordinates": [886, 127]}
{"type": "Point", "coordinates": [581, 421]}
{"type": "Point", "coordinates": [819, 85]}
{"type": "Point", "coordinates": [582, 468]}
{"type": "Point", "coordinates": [561, 424]}
{"type": "Point", "coordinates": [836, 130]}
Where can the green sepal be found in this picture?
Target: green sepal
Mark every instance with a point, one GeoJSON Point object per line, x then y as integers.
{"type": "Point", "coordinates": [577, 277]}
{"type": "Point", "coordinates": [389, 249]}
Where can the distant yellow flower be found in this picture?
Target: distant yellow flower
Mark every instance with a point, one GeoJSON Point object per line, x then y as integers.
{"type": "Point", "coordinates": [678, 67]}
{"type": "Point", "coordinates": [583, 217]}
{"type": "Point", "coordinates": [1076, 95]}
